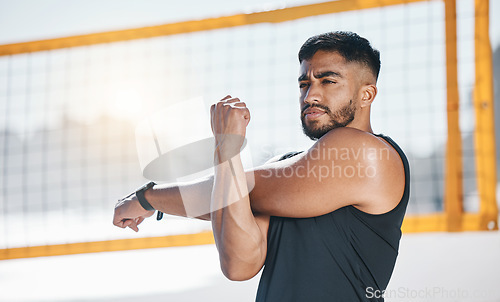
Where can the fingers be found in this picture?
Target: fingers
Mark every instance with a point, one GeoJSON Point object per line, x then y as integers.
{"type": "Point", "coordinates": [229, 115]}
{"type": "Point", "coordinates": [131, 223]}
{"type": "Point", "coordinates": [133, 226]}
{"type": "Point", "coordinates": [127, 222]}
{"type": "Point", "coordinates": [236, 104]}
{"type": "Point", "coordinates": [117, 219]}
{"type": "Point", "coordinates": [118, 224]}
{"type": "Point", "coordinates": [229, 101]}
{"type": "Point", "coordinates": [129, 213]}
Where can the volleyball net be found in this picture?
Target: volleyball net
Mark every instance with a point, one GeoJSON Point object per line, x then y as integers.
{"type": "Point", "coordinates": [70, 109]}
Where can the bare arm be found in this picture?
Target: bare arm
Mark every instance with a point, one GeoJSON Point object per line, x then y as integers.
{"type": "Point", "coordinates": [344, 167]}
{"type": "Point", "coordinates": [171, 199]}
{"type": "Point", "coordinates": [240, 240]}
{"type": "Point", "coordinates": [240, 237]}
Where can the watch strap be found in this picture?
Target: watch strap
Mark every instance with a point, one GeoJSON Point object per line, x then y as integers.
{"type": "Point", "coordinates": [159, 215]}
{"type": "Point", "coordinates": [142, 200]}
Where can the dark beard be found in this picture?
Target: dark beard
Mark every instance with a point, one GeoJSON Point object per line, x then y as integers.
{"type": "Point", "coordinates": [341, 118]}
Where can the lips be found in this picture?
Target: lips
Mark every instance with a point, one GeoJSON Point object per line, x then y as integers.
{"type": "Point", "coordinates": [313, 113]}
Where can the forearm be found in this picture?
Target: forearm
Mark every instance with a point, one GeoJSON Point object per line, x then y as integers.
{"type": "Point", "coordinates": [193, 199]}
{"type": "Point", "coordinates": [238, 238]}
{"type": "Point", "coordinates": [183, 199]}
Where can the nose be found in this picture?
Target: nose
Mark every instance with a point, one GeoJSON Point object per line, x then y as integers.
{"type": "Point", "coordinates": [312, 94]}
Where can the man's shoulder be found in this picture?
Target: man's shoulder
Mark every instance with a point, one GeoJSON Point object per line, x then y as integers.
{"type": "Point", "coordinates": [359, 145]}
{"type": "Point", "coordinates": [347, 136]}
{"type": "Point", "coordinates": [382, 178]}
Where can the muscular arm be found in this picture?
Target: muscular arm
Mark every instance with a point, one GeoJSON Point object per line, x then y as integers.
{"type": "Point", "coordinates": [240, 240]}
{"type": "Point", "coordinates": [346, 166]}
{"type": "Point", "coordinates": [240, 237]}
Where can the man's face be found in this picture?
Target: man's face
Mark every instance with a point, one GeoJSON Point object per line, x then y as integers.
{"type": "Point", "coordinates": [327, 93]}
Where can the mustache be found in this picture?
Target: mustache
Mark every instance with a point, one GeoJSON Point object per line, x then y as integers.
{"type": "Point", "coordinates": [325, 108]}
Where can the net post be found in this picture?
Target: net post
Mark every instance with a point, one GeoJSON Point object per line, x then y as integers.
{"type": "Point", "coordinates": [484, 132]}
{"type": "Point", "coordinates": [453, 198]}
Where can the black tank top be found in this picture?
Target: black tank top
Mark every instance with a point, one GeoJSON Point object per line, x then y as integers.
{"type": "Point", "coordinates": [346, 255]}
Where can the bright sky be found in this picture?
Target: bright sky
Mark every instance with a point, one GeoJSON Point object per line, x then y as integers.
{"type": "Point", "coordinates": [27, 20]}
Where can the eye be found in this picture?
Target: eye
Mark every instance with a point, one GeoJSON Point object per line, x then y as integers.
{"type": "Point", "coordinates": [325, 81]}
{"type": "Point", "coordinates": [303, 85]}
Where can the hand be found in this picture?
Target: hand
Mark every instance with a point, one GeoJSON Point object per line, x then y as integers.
{"type": "Point", "coordinates": [130, 213]}
{"type": "Point", "coordinates": [229, 119]}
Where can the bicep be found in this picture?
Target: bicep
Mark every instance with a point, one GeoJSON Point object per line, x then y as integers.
{"type": "Point", "coordinates": [298, 187]}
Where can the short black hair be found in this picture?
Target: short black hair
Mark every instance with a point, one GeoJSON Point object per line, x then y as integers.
{"type": "Point", "coordinates": [348, 44]}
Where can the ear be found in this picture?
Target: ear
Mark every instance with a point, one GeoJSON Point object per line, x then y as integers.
{"type": "Point", "coordinates": [368, 93]}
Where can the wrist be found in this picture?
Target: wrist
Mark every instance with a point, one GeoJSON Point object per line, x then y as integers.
{"type": "Point", "coordinates": [222, 155]}
{"type": "Point", "coordinates": [143, 198]}
{"type": "Point", "coordinates": [227, 146]}
{"type": "Point", "coordinates": [140, 194]}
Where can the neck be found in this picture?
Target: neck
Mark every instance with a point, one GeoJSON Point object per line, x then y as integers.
{"type": "Point", "coordinates": [362, 120]}
{"type": "Point", "coordinates": [361, 125]}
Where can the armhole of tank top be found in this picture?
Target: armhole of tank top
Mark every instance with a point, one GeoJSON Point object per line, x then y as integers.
{"type": "Point", "coordinates": [406, 167]}
{"type": "Point", "coordinates": [289, 154]}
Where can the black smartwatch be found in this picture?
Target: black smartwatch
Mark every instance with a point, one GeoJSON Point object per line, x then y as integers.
{"type": "Point", "coordinates": [142, 200]}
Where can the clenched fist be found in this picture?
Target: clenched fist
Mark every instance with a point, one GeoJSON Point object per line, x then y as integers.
{"type": "Point", "coordinates": [229, 119]}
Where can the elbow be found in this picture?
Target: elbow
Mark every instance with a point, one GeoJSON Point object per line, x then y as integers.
{"type": "Point", "coordinates": [236, 275]}
{"type": "Point", "coordinates": [239, 272]}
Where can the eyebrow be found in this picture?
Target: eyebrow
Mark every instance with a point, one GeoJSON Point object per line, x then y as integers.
{"type": "Point", "coordinates": [305, 77]}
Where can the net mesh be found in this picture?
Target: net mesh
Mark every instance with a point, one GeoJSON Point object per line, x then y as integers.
{"type": "Point", "coordinates": [68, 116]}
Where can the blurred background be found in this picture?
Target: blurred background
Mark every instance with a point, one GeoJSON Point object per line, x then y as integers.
{"type": "Point", "coordinates": [70, 112]}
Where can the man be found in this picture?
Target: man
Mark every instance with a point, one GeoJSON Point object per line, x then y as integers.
{"type": "Point", "coordinates": [324, 223]}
